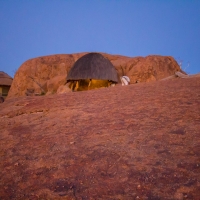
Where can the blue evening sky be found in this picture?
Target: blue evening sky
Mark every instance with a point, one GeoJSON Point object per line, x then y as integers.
{"type": "Point", "coordinates": [32, 28]}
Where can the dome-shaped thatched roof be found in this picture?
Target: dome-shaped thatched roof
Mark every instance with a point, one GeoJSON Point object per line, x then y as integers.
{"type": "Point", "coordinates": [5, 79]}
{"type": "Point", "coordinates": [93, 66]}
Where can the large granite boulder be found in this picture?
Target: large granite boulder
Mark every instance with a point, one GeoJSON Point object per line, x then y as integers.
{"type": "Point", "coordinates": [139, 142]}
{"type": "Point", "coordinates": [44, 75]}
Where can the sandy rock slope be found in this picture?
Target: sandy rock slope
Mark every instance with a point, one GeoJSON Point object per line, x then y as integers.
{"type": "Point", "coordinates": [135, 142]}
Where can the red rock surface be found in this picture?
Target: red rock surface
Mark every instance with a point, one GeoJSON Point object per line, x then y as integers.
{"type": "Point", "coordinates": [139, 141]}
{"type": "Point", "coordinates": [47, 72]}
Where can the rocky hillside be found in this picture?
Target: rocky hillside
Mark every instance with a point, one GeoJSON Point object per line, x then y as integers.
{"type": "Point", "coordinates": [44, 75]}
{"type": "Point", "coordinates": [140, 141]}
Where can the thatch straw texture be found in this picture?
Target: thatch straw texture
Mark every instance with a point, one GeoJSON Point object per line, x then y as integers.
{"type": "Point", "coordinates": [93, 66]}
{"type": "Point", "coordinates": [5, 79]}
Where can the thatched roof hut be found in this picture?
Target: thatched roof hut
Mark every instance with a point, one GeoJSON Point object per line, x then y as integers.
{"type": "Point", "coordinates": [5, 79]}
{"type": "Point", "coordinates": [5, 83]}
{"type": "Point", "coordinates": [93, 66]}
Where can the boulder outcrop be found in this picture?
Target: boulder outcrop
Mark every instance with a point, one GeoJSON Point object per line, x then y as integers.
{"type": "Point", "coordinates": [131, 143]}
{"type": "Point", "coordinates": [44, 75]}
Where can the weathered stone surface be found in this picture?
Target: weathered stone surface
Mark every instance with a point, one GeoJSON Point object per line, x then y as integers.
{"type": "Point", "coordinates": [63, 89]}
{"type": "Point", "coordinates": [54, 83]}
{"type": "Point", "coordinates": [39, 70]}
{"type": "Point", "coordinates": [38, 74]}
{"type": "Point", "coordinates": [134, 142]}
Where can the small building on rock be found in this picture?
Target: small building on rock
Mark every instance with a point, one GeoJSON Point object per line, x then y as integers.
{"type": "Point", "coordinates": [5, 84]}
{"type": "Point", "coordinates": [92, 71]}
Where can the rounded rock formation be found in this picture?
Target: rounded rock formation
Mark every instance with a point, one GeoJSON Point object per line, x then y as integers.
{"type": "Point", "coordinates": [38, 74]}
